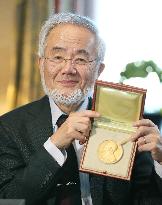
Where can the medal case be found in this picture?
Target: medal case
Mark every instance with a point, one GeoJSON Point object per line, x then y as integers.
{"type": "Point", "coordinates": [109, 150]}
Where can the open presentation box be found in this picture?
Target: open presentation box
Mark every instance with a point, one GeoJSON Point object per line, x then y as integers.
{"type": "Point", "coordinates": [109, 150]}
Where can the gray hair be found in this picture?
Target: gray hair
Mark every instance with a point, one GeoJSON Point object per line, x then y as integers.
{"type": "Point", "coordinates": [65, 18]}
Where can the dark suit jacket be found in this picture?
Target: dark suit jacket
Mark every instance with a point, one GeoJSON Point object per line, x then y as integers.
{"type": "Point", "coordinates": [27, 171]}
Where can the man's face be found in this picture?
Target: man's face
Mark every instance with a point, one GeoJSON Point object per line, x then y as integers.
{"type": "Point", "coordinates": [69, 42]}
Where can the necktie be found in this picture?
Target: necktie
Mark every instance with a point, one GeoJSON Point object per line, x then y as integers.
{"type": "Point", "coordinates": [68, 193]}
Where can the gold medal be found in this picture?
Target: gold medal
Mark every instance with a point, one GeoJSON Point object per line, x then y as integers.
{"type": "Point", "coordinates": [109, 151]}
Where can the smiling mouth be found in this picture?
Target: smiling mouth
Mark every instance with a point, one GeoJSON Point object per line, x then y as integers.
{"type": "Point", "coordinates": [68, 83]}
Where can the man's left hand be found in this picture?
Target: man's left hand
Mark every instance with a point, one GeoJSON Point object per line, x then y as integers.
{"type": "Point", "coordinates": [148, 138]}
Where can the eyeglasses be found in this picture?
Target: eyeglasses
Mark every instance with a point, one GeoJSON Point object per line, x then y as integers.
{"type": "Point", "coordinates": [57, 60]}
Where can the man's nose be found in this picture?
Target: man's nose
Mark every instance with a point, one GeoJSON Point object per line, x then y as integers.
{"type": "Point", "coordinates": [69, 67]}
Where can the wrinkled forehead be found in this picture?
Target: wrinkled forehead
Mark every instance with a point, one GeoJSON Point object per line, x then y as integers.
{"type": "Point", "coordinates": [75, 51]}
{"type": "Point", "coordinates": [73, 38]}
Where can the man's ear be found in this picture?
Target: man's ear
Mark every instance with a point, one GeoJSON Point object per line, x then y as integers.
{"type": "Point", "coordinates": [101, 68]}
{"type": "Point", "coordinates": [40, 63]}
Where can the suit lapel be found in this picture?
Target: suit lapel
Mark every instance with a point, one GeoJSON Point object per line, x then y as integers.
{"type": "Point", "coordinates": [40, 124]}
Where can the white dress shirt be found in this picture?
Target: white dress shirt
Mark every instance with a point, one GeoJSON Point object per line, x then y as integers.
{"type": "Point", "coordinates": [60, 157]}
{"type": "Point", "coordinates": [158, 168]}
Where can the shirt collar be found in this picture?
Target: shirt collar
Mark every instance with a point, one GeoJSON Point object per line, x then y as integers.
{"type": "Point", "coordinates": [56, 112]}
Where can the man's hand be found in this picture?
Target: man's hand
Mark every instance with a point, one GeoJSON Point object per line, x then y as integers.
{"type": "Point", "coordinates": [148, 138]}
{"type": "Point", "coordinates": [77, 126]}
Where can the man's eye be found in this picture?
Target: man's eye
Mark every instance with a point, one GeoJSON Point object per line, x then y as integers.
{"type": "Point", "coordinates": [57, 59]}
{"type": "Point", "coordinates": [80, 61]}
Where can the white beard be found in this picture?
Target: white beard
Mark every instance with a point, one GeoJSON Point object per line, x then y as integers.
{"type": "Point", "coordinates": [76, 97]}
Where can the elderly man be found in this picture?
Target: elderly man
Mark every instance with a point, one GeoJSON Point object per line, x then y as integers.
{"type": "Point", "coordinates": [41, 142]}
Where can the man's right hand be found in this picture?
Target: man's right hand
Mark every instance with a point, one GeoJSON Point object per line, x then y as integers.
{"type": "Point", "coordinates": [77, 126]}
